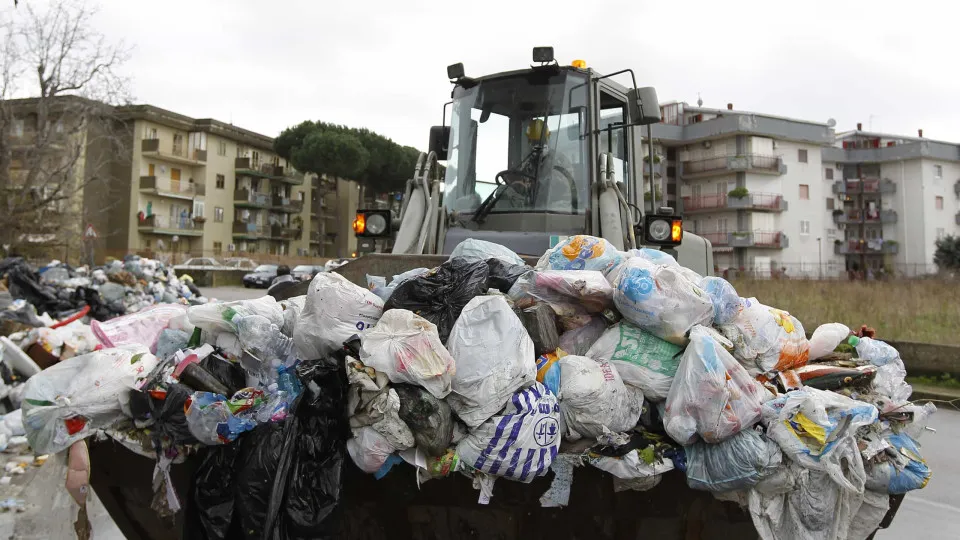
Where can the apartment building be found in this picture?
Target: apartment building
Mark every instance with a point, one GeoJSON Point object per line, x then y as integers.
{"type": "Point", "coordinates": [776, 194]}
{"type": "Point", "coordinates": [753, 184]}
{"type": "Point", "coordinates": [896, 196]}
{"type": "Point", "coordinates": [182, 187]}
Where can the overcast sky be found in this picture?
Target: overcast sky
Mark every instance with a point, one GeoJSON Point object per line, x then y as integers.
{"type": "Point", "coordinates": [265, 65]}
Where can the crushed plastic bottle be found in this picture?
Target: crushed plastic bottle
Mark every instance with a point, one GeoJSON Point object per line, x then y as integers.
{"type": "Point", "coordinates": [262, 338]}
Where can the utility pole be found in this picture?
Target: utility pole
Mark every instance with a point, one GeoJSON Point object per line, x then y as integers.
{"type": "Point", "coordinates": [819, 259]}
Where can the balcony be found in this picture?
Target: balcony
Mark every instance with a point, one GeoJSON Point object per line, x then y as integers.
{"type": "Point", "coordinates": [956, 188]}
{"type": "Point", "coordinates": [252, 231]}
{"type": "Point", "coordinates": [244, 166]}
{"type": "Point", "coordinates": [165, 187]}
{"type": "Point", "coordinates": [717, 239]}
{"type": "Point", "coordinates": [957, 218]}
{"type": "Point", "coordinates": [759, 202]}
{"type": "Point", "coordinates": [244, 198]}
{"type": "Point", "coordinates": [290, 176]}
{"type": "Point", "coordinates": [868, 217]}
{"type": "Point", "coordinates": [283, 204]}
{"type": "Point", "coordinates": [703, 168]}
{"type": "Point", "coordinates": [759, 239]}
{"type": "Point", "coordinates": [868, 186]}
{"type": "Point", "coordinates": [283, 232]}
{"type": "Point", "coordinates": [164, 225]}
{"type": "Point", "coordinates": [178, 154]}
{"type": "Point", "coordinates": [863, 246]}
{"type": "Point", "coordinates": [315, 237]}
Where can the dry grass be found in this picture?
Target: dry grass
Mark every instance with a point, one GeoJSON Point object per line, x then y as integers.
{"type": "Point", "coordinates": [927, 311]}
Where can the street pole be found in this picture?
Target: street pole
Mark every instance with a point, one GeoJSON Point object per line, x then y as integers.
{"type": "Point", "coordinates": [819, 258]}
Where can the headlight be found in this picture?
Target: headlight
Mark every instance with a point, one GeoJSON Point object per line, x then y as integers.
{"type": "Point", "coordinates": [663, 230]}
{"type": "Point", "coordinates": [372, 223]}
{"type": "Point", "coordinates": [376, 224]}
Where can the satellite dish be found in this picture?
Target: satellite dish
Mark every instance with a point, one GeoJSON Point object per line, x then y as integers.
{"type": "Point", "coordinates": [831, 122]}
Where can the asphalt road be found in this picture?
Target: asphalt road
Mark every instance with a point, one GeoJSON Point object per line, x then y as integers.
{"type": "Point", "coordinates": [931, 513]}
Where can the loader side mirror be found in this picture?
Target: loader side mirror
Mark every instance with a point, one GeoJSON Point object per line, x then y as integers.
{"type": "Point", "coordinates": [643, 106]}
{"type": "Point", "coordinates": [439, 135]}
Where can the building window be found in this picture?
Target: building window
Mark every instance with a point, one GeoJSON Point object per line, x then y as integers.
{"type": "Point", "coordinates": [18, 127]}
{"type": "Point", "coordinates": [217, 248]}
{"type": "Point", "coordinates": [177, 144]}
{"type": "Point", "coordinates": [58, 127]}
{"type": "Point", "coordinates": [938, 202]}
{"type": "Point", "coordinates": [804, 227]}
{"type": "Point", "coordinates": [174, 174]}
{"type": "Point", "coordinates": [222, 148]}
{"type": "Point", "coordinates": [218, 214]}
{"type": "Point", "coordinates": [197, 208]}
{"type": "Point", "coordinates": [831, 233]}
{"type": "Point", "coordinates": [802, 155]}
{"type": "Point", "coordinates": [221, 181]}
{"type": "Point", "coordinates": [300, 196]}
{"type": "Point", "coordinates": [829, 172]}
{"type": "Point", "coordinates": [830, 203]}
{"type": "Point", "coordinates": [149, 133]}
{"type": "Point", "coordinates": [938, 171]}
{"type": "Point", "coordinates": [804, 192]}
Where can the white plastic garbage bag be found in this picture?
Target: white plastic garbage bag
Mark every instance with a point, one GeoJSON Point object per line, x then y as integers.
{"type": "Point", "coordinates": [335, 309]}
{"type": "Point", "coordinates": [582, 252]}
{"type": "Point", "coordinates": [767, 339]}
{"type": "Point", "coordinates": [736, 463]}
{"type": "Point", "coordinates": [292, 307]}
{"type": "Point", "coordinates": [218, 317]}
{"type": "Point", "coordinates": [407, 348]}
{"type": "Point", "coordinates": [727, 304]}
{"type": "Point", "coordinates": [902, 469]}
{"type": "Point", "coordinates": [70, 400]}
{"type": "Point", "coordinates": [14, 422]}
{"type": "Point", "coordinates": [661, 299]}
{"type": "Point", "coordinates": [593, 398]}
{"type": "Point", "coordinates": [494, 358]}
{"type": "Point", "coordinates": [587, 288]}
{"type": "Point", "coordinates": [826, 338]}
{"type": "Point", "coordinates": [369, 449]}
{"type": "Point", "coordinates": [482, 250]}
{"type": "Point", "coordinates": [813, 509]}
{"type": "Point", "coordinates": [519, 444]}
{"type": "Point", "coordinates": [872, 511]}
{"type": "Point", "coordinates": [891, 372]}
{"type": "Point", "coordinates": [642, 359]}
{"type": "Point", "coordinates": [712, 395]}
{"type": "Point", "coordinates": [632, 467]}
{"type": "Point", "coordinates": [372, 403]}
{"type": "Point", "coordinates": [816, 429]}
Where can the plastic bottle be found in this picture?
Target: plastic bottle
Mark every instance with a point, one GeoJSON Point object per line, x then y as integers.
{"type": "Point", "coordinates": [263, 338]}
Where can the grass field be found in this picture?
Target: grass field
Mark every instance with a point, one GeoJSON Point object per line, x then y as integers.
{"type": "Point", "coordinates": [927, 311]}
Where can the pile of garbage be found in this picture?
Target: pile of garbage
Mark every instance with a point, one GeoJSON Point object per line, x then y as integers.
{"type": "Point", "coordinates": [58, 312]}
{"type": "Point", "coordinates": [486, 367]}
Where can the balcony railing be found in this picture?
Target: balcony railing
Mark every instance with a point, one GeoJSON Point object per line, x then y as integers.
{"type": "Point", "coordinates": [733, 163]}
{"type": "Point", "coordinates": [859, 246]}
{"type": "Point", "coordinates": [177, 154]}
{"type": "Point", "coordinates": [869, 217]}
{"type": "Point", "coordinates": [166, 187]}
{"type": "Point", "coordinates": [284, 204]}
{"type": "Point", "coordinates": [718, 239]}
{"type": "Point", "coordinates": [315, 237]}
{"type": "Point", "coordinates": [763, 202]}
{"type": "Point", "coordinates": [759, 239]}
{"type": "Point", "coordinates": [245, 197]}
{"type": "Point", "coordinates": [165, 225]}
{"type": "Point", "coordinates": [866, 186]}
{"type": "Point", "coordinates": [249, 230]}
{"type": "Point", "coordinates": [283, 232]}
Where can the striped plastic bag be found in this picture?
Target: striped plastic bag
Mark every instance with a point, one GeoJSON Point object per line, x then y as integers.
{"type": "Point", "coordinates": [521, 443]}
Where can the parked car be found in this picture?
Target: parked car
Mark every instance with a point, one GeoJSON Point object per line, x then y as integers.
{"type": "Point", "coordinates": [199, 263]}
{"type": "Point", "coordinates": [306, 272]}
{"type": "Point", "coordinates": [261, 277]}
{"type": "Point", "coordinates": [240, 262]}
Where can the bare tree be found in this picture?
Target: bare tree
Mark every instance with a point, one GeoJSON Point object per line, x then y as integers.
{"type": "Point", "coordinates": [59, 132]}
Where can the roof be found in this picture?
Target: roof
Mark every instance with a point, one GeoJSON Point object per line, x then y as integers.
{"type": "Point", "coordinates": [710, 110]}
{"type": "Point", "coordinates": [186, 123]}
{"type": "Point", "coordinates": [877, 134]}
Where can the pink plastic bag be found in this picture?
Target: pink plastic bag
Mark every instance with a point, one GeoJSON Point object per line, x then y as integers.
{"type": "Point", "coordinates": [142, 327]}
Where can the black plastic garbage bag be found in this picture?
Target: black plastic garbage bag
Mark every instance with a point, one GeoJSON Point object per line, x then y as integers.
{"type": "Point", "coordinates": [430, 419]}
{"type": "Point", "coordinates": [24, 283]}
{"type": "Point", "coordinates": [209, 515]}
{"type": "Point", "coordinates": [168, 414]}
{"type": "Point", "coordinates": [503, 275]}
{"type": "Point", "coordinates": [440, 296]}
{"type": "Point", "coordinates": [229, 374]}
{"type": "Point", "coordinates": [307, 485]}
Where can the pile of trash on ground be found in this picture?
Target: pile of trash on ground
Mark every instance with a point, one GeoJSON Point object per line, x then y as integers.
{"type": "Point", "coordinates": [486, 367]}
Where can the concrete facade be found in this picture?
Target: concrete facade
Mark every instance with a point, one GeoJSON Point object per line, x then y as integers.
{"type": "Point", "coordinates": [776, 194]}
